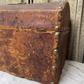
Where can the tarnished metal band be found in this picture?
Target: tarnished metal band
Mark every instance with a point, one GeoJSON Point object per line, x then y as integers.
{"type": "Point", "coordinates": [65, 28]}
{"type": "Point", "coordinates": [66, 32]}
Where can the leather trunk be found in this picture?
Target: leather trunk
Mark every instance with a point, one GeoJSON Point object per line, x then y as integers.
{"type": "Point", "coordinates": [33, 40]}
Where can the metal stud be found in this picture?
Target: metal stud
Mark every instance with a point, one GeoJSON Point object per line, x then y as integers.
{"type": "Point", "coordinates": [57, 28]}
{"type": "Point", "coordinates": [52, 83]}
{"type": "Point", "coordinates": [55, 51]}
{"type": "Point", "coordinates": [60, 7]}
{"type": "Point", "coordinates": [57, 34]}
{"type": "Point", "coordinates": [53, 68]}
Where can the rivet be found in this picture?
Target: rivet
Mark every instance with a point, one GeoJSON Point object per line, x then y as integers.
{"type": "Point", "coordinates": [57, 34]}
{"type": "Point", "coordinates": [53, 68]}
{"type": "Point", "coordinates": [55, 51]}
{"type": "Point", "coordinates": [60, 7]}
{"type": "Point", "coordinates": [57, 28]}
{"type": "Point", "coordinates": [52, 83]}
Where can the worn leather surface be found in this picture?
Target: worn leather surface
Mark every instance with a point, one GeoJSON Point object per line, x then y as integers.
{"type": "Point", "coordinates": [27, 40]}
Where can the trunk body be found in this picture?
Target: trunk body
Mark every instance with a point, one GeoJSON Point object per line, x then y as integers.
{"type": "Point", "coordinates": [29, 38]}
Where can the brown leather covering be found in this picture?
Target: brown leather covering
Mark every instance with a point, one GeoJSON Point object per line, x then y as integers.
{"type": "Point", "coordinates": [27, 40]}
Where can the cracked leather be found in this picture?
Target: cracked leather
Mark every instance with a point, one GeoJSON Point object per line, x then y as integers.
{"type": "Point", "coordinates": [27, 40]}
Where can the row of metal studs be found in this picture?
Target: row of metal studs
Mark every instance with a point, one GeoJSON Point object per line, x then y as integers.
{"type": "Point", "coordinates": [55, 51]}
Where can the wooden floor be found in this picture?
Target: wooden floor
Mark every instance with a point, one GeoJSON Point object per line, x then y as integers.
{"type": "Point", "coordinates": [73, 73]}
